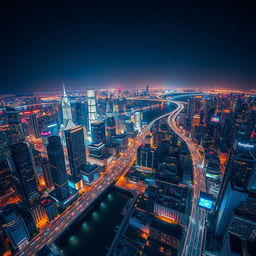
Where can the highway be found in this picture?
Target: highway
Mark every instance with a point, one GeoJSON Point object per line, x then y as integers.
{"type": "Point", "coordinates": [195, 231]}
{"type": "Point", "coordinates": [115, 169]}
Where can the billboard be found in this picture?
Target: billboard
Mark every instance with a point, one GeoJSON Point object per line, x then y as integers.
{"type": "Point", "coordinates": [205, 201]}
{"type": "Point", "coordinates": [215, 119]}
{"type": "Point", "coordinates": [212, 176]}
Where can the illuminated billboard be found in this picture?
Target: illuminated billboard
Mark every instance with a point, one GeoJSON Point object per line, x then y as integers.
{"type": "Point", "coordinates": [215, 119]}
{"type": "Point", "coordinates": [205, 201]}
{"type": "Point", "coordinates": [212, 176]}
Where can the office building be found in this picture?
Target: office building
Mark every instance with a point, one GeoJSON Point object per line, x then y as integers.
{"type": "Point", "coordinates": [98, 132]}
{"type": "Point", "coordinates": [58, 168]}
{"type": "Point", "coordinates": [46, 172]}
{"type": "Point", "coordinates": [15, 131]}
{"type": "Point", "coordinates": [110, 126]}
{"type": "Point", "coordinates": [76, 149]}
{"type": "Point", "coordinates": [146, 156]}
{"type": "Point", "coordinates": [92, 110]}
{"type": "Point", "coordinates": [138, 120]}
{"type": "Point", "coordinates": [66, 111]}
{"type": "Point", "coordinates": [82, 113]}
{"type": "Point", "coordinates": [239, 181]}
{"type": "Point", "coordinates": [14, 227]}
{"type": "Point", "coordinates": [49, 208]}
{"type": "Point", "coordinates": [5, 176]}
{"type": "Point", "coordinates": [90, 173]}
{"type": "Point", "coordinates": [24, 175]}
{"type": "Point", "coordinates": [35, 125]}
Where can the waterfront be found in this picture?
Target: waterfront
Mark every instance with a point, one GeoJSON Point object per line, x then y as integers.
{"type": "Point", "coordinates": [89, 232]}
{"type": "Point", "coordinates": [94, 232]}
{"type": "Point", "coordinates": [150, 115]}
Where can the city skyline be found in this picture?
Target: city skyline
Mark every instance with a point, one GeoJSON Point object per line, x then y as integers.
{"type": "Point", "coordinates": [127, 128]}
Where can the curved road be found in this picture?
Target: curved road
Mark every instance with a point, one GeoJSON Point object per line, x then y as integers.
{"type": "Point", "coordinates": [195, 230]}
{"type": "Point", "coordinates": [113, 171]}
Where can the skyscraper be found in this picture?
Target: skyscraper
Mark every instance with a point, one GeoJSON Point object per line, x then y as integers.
{"type": "Point", "coordinates": [146, 156]}
{"type": "Point", "coordinates": [116, 117]}
{"type": "Point", "coordinates": [58, 168]}
{"type": "Point", "coordinates": [238, 183]}
{"type": "Point", "coordinates": [46, 172]}
{"type": "Point", "coordinates": [138, 118]}
{"type": "Point", "coordinates": [98, 132]}
{"type": "Point", "coordinates": [14, 125]}
{"type": "Point", "coordinates": [82, 113]}
{"type": "Point", "coordinates": [24, 175]}
{"type": "Point", "coordinates": [76, 149]}
{"type": "Point", "coordinates": [92, 111]}
{"type": "Point", "coordinates": [66, 110]}
{"type": "Point", "coordinates": [5, 176]}
{"type": "Point", "coordinates": [35, 125]}
{"type": "Point", "coordinates": [110, 126]}
{"type": "Point", "coordinates": [14, 227]}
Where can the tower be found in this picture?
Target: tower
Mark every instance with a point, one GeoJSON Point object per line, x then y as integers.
{"type": "Point", "coordinates": [24, 175]}
{"type": "Point", "coordinates": [92, 111]}
{"type": "Point", "coordinates": [76, 149]}
{"type": "Point", "coordinates": [238, 183]}
{"type": "Point", "coordinates": [66, 110]}
{"type": "Point", "coordinates": [57, 167]}
{"type": "Point", "coordinates": [138, 122]}
{"type": "Point", "coordinates": [46, 172]}
{"type": "Point", "coordinates": [98, 132]}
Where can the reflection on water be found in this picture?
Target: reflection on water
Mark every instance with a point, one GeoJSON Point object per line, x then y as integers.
{"type": "Point", "coordinates": [93, 233]}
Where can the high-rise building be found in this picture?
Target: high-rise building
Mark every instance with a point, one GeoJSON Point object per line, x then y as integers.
{"type": "Point", "coordinates": [92, 110]}
{"type": "Point", "coordinates": [57, 167]}
{"type": "Point", "coordinates": [24, 175]}
{"type": "Point", "coordinates": [49, 208]}
{"type": "Point", "coordinates": [46, 172]}
{"type": "Point", "coordinates": [35, 125]}
{"type": "Point", "coordinates": [98, 132]}
{"type": "Point", "coordinates": [14, 125]}
{"type": "Point", "coordinates": [14, 227]}
{"type": "Point", "coordinates": [82, 113]}
{"type": "Point", "coordinates": [76, 149]}
{"type": "Point", "coordinates": [66, 110]}
{"type": "Point", "coordinates": [146, 156]}
{"type": "Point", "coordinates": [117, 118]}
{"type": "Point", "coordinates": [5, 176]}
{"type": "Point", "coordinates": [239, 181]}
{"type": "Point", "coordinates": [110, 126]}
{"type": "Point", "coordinates": [138, 120]}
{"type": "Point", "coordinates": [196, 120]}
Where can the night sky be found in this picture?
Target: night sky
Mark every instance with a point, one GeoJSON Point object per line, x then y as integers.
{"type": "Point", "coordinates": [104, 44]}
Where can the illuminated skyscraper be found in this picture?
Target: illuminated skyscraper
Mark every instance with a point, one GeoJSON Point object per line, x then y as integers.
{"type": "Point", "coordinates": [35, 125]}
{"type": "Point", "coordinates": [14, 227]}
{"type": "Point", "coordinates": [76, 149]}
{"type": "Point", "coordinates": [98, 132]}
{"type": "Point", "coordinates": [138, 118]}
{"type": "Point", "coordinates": [46, 172]}
{"type": "Point", "coordinates": [239, 182]}
{"type": "Point", "coordinates": [24, 175]}
{"type": "Point", "coordinates": [66, 110]}
{"type": "Point", "coordinates": [110, 126]}
{"type": "Point", "coordinates": [92, 111]}
{"type": "Point", "coordinates": [116, 117]}
{"type": "Point", "coordinates": [14, 125]}
{"type": "Point", "coordinates": [58, 168]}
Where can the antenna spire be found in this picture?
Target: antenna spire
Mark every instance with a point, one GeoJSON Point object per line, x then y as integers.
{"type": "Point", "coordinates": [64, 91]}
